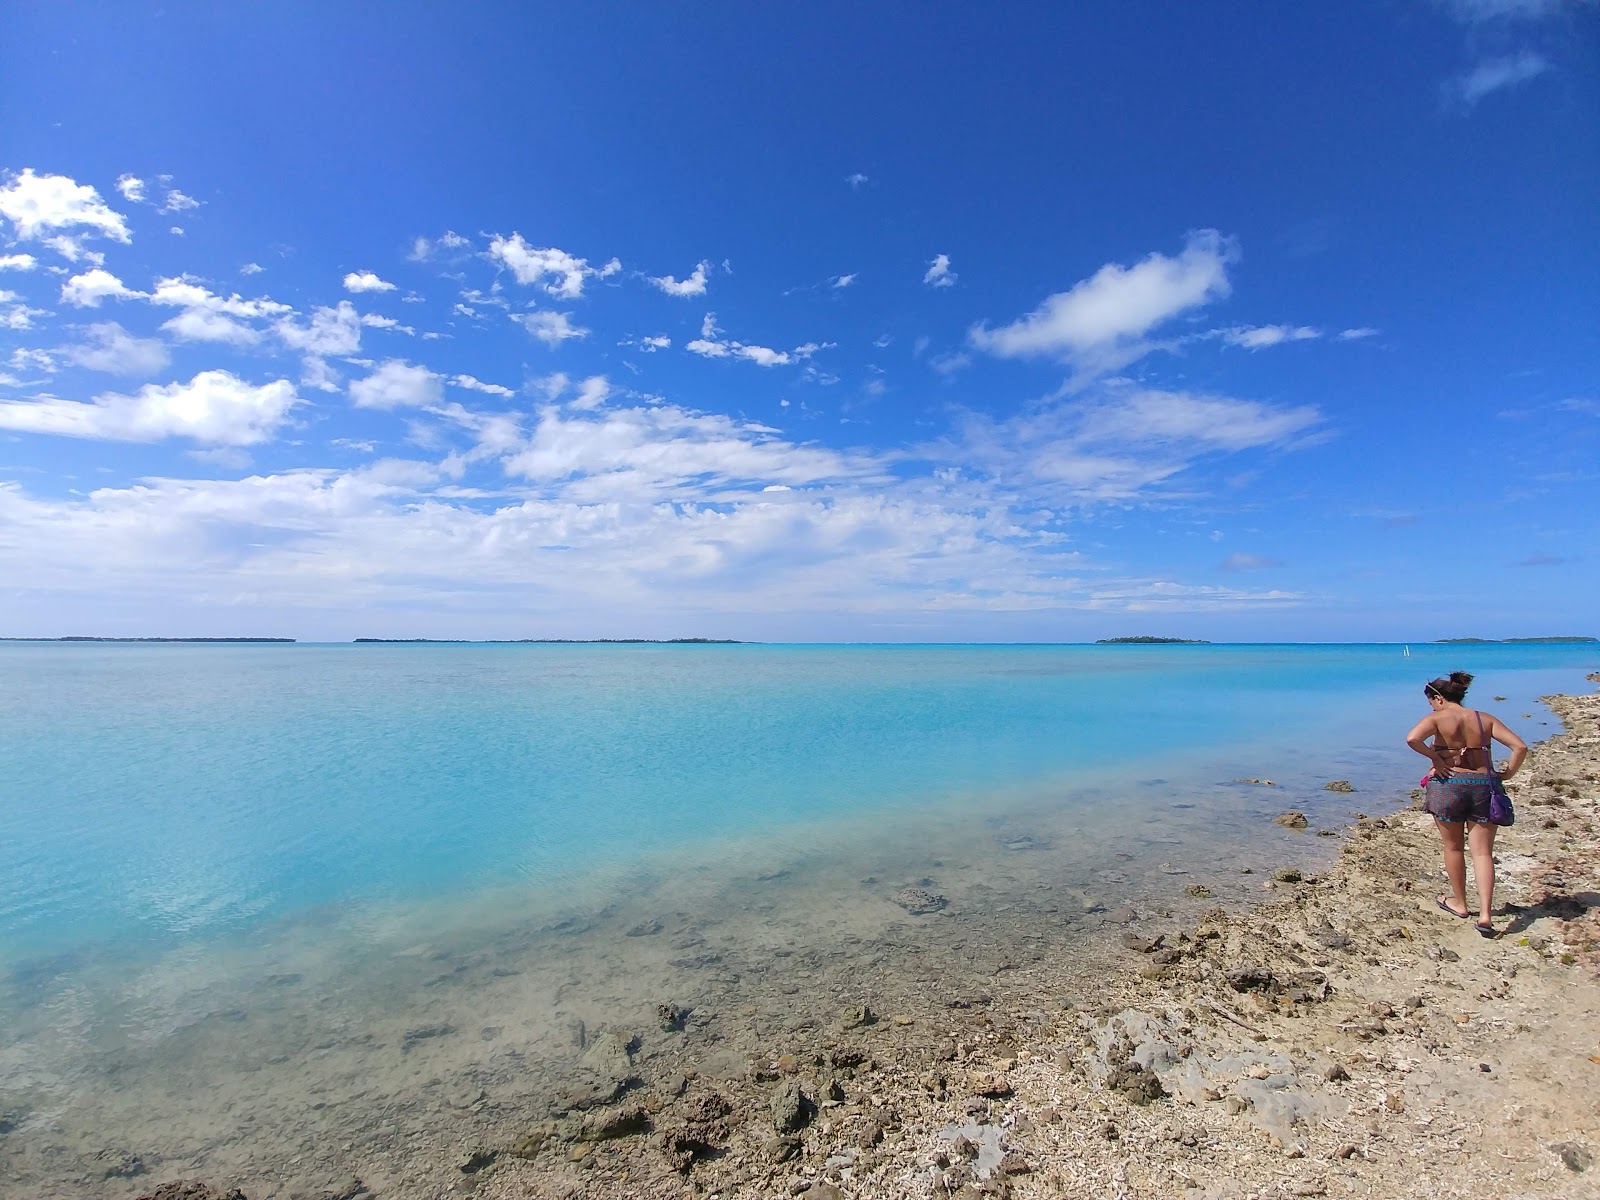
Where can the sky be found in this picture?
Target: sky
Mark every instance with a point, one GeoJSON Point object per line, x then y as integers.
{"type": "Point", "coordinates": [801, 322]}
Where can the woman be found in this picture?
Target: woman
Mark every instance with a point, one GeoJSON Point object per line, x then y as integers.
{"type": "Point", "coordinates": [1458, 788]}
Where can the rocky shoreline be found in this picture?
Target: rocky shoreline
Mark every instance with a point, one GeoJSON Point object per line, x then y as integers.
{"type": "Point", "coordinates": [1341, 1037]}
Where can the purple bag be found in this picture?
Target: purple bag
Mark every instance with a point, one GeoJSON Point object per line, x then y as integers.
{"type": "Point", "coordinates": [1500, 810]}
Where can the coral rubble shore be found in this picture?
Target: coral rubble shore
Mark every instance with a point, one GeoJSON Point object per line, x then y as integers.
{"type": "Point", "coordinates": [1342, 1038]}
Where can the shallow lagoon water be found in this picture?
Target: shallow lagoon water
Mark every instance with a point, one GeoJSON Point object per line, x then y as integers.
{"type": "Point", "coordinates": [236, 881]}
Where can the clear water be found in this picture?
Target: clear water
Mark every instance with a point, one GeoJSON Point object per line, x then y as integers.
{"type": "Point", "coordinates": [160, 794]}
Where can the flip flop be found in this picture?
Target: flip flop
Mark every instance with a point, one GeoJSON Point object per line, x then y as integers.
{"type": "Point", "coordinates": [1487, 931]}
{"type": "Point", "coordinates": [1440, 901]}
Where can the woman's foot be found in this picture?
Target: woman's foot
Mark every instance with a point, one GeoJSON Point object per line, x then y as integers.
{"type": "Point", "coordinates": [1486, 929]}
{"type": "Point", "coordinates": [1444, 903]}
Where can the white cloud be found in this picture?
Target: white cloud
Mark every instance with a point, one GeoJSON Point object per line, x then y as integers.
{"type": "Point", "coordinates": [1100, 321]}
{"type": "Point", "coordinates": [649, 345]}
{"type": "Point", "coordinates": [1256, 337]}
{"type": "Point", "coordinates": [477, 385]}
{"type": "Point", "coordinates": [939, 274]}
{"type": "Point", "coordinates": [1353, 335]}
{"type": "Point", "coordinates": [203, 325]}
{"type": "Point", "coordinates": [330, 331]}
{"type": "Point", "coordinates": [131, 187]}
{"type": "Point", "coordinates": [711, 344]}
{"type": "Point", "coordinates": [397, 384]}
{"type": "Point", "coordinates": [551, 328]}
{"type": "Point", "coordinates": [185, 291]}
{"type": "Point", "coordinates": [37, 205]}
{"type": "Point", "coordinates": [666, 446]}
{"type": "Point", "coordinates": [564, 272]}
{"type": "Point", "coordinates": [843, 281]}
{"type": "Point", "coordinates": [215, 408]}
{"type": "Point", "coordinates": [251, 268]}
{"type": "Point", "coordinates": [18, 262]}
{"type": "Point", "coordinates": [176, 201]}
{"type": "Point", "coordinates": [88, 289]}
{"type": "Point", "coordinates": [176, 231]}
{"type": "Point", "coordinates": [1495, 75]}
{"type": "Point", "coordinates": [317, 374]}
{"type": "Point", "coordinates": [14, 314]}
{"type": "Point", "coordinates": [695, 285]}
{"type": "Point", "coordinates": [857, 181]}
{"type": "Point", "coordinates": [366, 281]}
{"type": "Point", "coordinates": [422, 249]}
{"type": "Point", "coordinates": [1121, 443]}
{"type": "Point", "coordinates": [592, 393]}
{"type": "Point", "coordinates": [112, 349]}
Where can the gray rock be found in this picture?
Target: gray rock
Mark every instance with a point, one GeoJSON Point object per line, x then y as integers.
{"type": "Point", "coordinates": [1293, 819]}
{"type": "Point", "coordinates": [603, 1125]}
{"type": "Point", "coordinates": [423, 1033]}
{"type": "Point", "coordinates": [1338, 785]}
{"type": "Point", "coordinates": [858, 1016]}
{"type": "Point", "coordinates": [192, 1189]}
{"type": "Point", "coordinates": [1137, 1085]}
{"type": "Point", "coordinates": [119, 1164]}
{"type": "Point", "coordinates": [919, 901]}
{"type": "Point", "coordinates": [1574, 1157]}
{"type": "Point", "coordinates": [790, 1108]}
{"type": "Point", "coordinates": [1287, 875]}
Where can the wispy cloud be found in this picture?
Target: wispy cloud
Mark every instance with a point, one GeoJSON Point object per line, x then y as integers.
{"type": "Point", "coordinates": [1494, 75]}
{"type": "Point", "coordinates": [1257, 337]}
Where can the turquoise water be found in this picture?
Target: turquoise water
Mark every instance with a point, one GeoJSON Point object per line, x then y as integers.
{"type": "Point", "coordinates": [166, 793]}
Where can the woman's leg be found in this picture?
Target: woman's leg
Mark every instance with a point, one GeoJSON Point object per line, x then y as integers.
{"type": "Point", "coordinates": [1451, 837]}
{"type": "Point", "coordinates": [1481, 838]}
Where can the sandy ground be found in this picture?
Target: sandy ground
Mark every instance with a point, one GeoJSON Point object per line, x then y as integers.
{"type": "Point", "coordinates": [1268, 1033]}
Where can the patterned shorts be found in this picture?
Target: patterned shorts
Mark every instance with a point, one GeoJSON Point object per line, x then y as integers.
{"type": "Point", "coordinates": [1462, 797]}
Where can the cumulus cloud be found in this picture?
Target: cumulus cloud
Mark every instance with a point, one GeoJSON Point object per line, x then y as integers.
{"type": "Point", "coordinates": [939, 274]}
{"type": "Point", "coordinates": [131, 187]}
{"type": "Point", "coordinates": [176, 201]}
{"type": "Point", "coordinates": [398, 384]}
{"type": "Point", "coordinates": [205, 325]}
{"type": "Point", "coordinates": [477, 385]}
{"type": "Point", "coordinates": [91, 287]}
{"type": "Point", "coordinates": [214, 408]}
{"type": "Point", "coordinates": [551, 328]}
{"type": "Point", "coordinates": [1100, 322]}
{"type": "Point", "coordinates": [18, 262]}
{"type": "Point", "coordinates": [555, 271]}
{"type": "Point", "coordinates": [592, 393]}
{"type": "Point", "coordinates": [40, 205]}
{"type": "Point", "coordinates": [112, 349]}
{"type": "Point", "coordinates": [334, 330]}
{"type": "Point", "coordinates": [694, 285]}
{"type": "Point", "coordinates": [366, 281]}
{"type": "Point", "coordinates": [251, 268]}
{"type": "Point", "coordinates": [1257, 337]}
{"type": "Point", "coordinates": [1494, 75]}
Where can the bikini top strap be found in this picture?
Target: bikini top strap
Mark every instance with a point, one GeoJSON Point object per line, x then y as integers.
{"type": "Point", "coordinates": [1487, 747]}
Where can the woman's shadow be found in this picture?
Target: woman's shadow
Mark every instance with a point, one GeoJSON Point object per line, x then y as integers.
{"type": "Point", "coordinates": [1562, 906]}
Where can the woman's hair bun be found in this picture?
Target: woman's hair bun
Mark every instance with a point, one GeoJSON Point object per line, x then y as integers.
{"type": "Point", "coordinates": [1453, 689]}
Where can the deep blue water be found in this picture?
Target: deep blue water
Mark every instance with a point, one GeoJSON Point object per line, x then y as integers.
{"type": "Point", "coordinates": [171, 792]}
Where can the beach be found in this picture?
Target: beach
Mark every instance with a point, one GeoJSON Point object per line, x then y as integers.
{"type": "Point", "coordinates": [1296, 1021]}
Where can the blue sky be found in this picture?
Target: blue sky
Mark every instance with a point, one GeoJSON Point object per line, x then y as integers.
{"type": "Point", "coordinates": [829, 321]}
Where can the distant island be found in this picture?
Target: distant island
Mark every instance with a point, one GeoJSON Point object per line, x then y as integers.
{"type": "Point", "coordinates": [1151, 641]}
{"type": "Point", "coordinates": [549, 641]}
{"type": "Point", "coordinates": [146, 639]}
{"type": "Point", "coordinates": [1510, 641]}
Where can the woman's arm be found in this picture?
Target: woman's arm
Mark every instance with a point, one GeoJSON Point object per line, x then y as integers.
{"type": "Point", "coordinates": [1518, 747]}
{"type": "Point", "coordinates": [1417, 739]}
